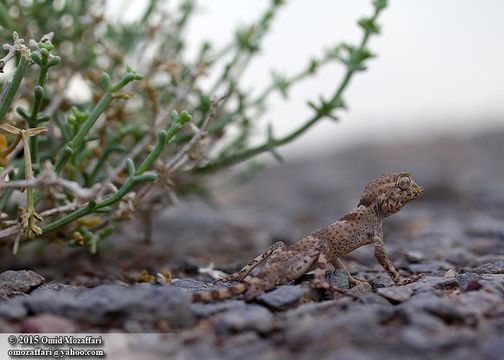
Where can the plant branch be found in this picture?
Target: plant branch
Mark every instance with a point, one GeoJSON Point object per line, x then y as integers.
{"type": "Point", "coordinates": [107, 97]}
{"type": "Point", "coordinates": [325, 109]}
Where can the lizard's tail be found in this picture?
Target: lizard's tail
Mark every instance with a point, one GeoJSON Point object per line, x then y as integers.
{"type": "Point", "coordinates": [220, 293]}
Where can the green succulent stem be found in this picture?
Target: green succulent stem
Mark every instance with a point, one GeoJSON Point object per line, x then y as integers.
{"type": "Point", "coordinates": [13, 87]}
{"type": "Point", "coordinates": [37, 103]}
{"type": "Point", "coordinates": [99, 108]}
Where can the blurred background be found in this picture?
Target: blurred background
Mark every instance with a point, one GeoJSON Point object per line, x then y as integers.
{"type": "Point", "coordinates": [437, 70]}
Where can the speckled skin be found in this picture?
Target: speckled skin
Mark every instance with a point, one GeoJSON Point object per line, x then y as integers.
{"type": "Point", "coordinates": [381, 198]}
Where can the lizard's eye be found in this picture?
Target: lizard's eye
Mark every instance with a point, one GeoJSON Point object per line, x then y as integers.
{"type": "Point", "coordinates": [404, 182]}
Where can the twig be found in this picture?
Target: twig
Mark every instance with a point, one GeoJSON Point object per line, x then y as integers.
{"type": "Point", "coordinates": [61, 209]}
{"type": "Point", "coordinates": [50, 178]}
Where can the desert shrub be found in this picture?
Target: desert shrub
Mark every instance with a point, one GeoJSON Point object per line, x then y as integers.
{"type": "Point", "coordinates": [150, 132]}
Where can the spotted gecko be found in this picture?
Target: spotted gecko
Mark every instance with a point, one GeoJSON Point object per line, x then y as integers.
{"type": "Point", "coordinates": [381, 198]}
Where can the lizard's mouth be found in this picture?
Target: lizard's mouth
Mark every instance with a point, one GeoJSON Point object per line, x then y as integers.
{"type": "Point", "coordinates": [418, 190]}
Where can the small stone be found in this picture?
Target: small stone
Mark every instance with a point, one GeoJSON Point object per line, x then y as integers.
{"type": "Point", "coordinates": [396, 294]}
{"type": "Point", "coordinates": [360, 290]}
{"type": "Point", "coordinates": [338, 278]}
{"type": "Point", "coordinates": [450, 274]}
{"type": "Point", "coordinates": [48, 323]}
{"type": "Point", "coordinates": [373, 299]}
{"type": "Point", "coordinates": [469, 281]}
{"type": "Point", "coordinates": [251, 317]}
{"type": "Point", "coordinates": [414, 256]}
{"type": "Point", "coordinates": [284, 297]}
{"type": "Point", "coordinates": [380, 280]}
{"type": "Point", "coordinates": [22, 281]}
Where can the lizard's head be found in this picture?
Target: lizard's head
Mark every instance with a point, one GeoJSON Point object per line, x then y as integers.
{"type": "Point", "coordinates": [390, 192]}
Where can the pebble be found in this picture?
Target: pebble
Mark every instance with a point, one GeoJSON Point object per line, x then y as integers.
{"type": "Point", "coordinates": [397, 294]}
{"type": "Point", "coordinates": [285, 297]}
{"type": "Point", "coordinates": [15, 282]}
{"type": "Point", "coordinates": [250, 318]}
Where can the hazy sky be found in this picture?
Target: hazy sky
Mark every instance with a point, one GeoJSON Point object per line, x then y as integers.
{"type": "Point", "coordinates": [439, 66]}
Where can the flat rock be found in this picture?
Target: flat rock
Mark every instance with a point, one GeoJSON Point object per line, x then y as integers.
{"type": "Point", "coordinates": [396, 294]}
{"type": "Point", "coordinates": [15, 282]}
{"type": "Point", "coordinates": [284, 297]}
{"type": "Point", "coordinates": [109, 304]}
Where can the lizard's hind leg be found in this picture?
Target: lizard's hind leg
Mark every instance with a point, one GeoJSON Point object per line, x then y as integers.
{"type": "Point", "coordinates": [277, 247]}
{"type": "Point", "coordinates": [338, 264]}
{"type": "Point", "coordinates": [320, 267]}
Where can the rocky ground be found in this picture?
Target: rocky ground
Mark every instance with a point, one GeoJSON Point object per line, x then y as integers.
{"type": "Point", "coordinates": [454, 234]}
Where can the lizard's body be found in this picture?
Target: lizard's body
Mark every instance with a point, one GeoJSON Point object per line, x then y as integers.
{"type": "Point", "coordinates": [382, 197]}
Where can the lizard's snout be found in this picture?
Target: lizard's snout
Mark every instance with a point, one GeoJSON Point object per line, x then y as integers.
{"type": "Point", "coordinates": [416, 190]}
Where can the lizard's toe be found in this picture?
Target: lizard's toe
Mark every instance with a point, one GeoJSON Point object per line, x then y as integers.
{"type": "Point", "coordinates": [353, 282]}
{"type": "Point", "coordinates": [412, 279]}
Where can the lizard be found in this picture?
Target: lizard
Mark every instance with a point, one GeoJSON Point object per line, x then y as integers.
{"type": "Point", "coordinates": [381, 198]}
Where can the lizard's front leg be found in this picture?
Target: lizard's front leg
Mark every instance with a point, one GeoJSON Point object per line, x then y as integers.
{"type": "Point", "coordinates": [277, 247]}
{"type": "Point", "coordinates": [384, 261]}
